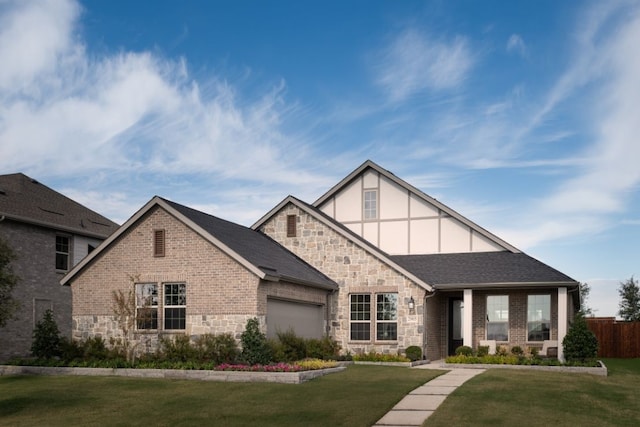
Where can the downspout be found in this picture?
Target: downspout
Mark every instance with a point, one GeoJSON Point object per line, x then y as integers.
{"type": "Point", "coordinates": [424, 323]}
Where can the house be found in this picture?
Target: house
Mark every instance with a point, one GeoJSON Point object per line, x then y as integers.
{"type": "Point", "coordinates": [193, 273]}
{"type": "Point", "coordinates": [375, 263]}
{"type": "Point", "coordinates": [49, 233]}
{"type": "Point", "coordinates": [412, 271]}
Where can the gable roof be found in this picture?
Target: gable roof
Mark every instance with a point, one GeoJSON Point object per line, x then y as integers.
{"type": "Point", "coordinates": [483, 269]}
{"type": "Point", "coordinates": [345, 232]}
{"type": "Point", "coordinates": [444, 208]}
{"type": "Point", "coordinates": [24, 199]}
{"type": "Point", "coordinates": [261, 255]}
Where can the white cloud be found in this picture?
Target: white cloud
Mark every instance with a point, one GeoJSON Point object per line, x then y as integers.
{"type": "Point", "coordinates": [414, 63]}
{"type": "Point", "coordinates": [515, 44]}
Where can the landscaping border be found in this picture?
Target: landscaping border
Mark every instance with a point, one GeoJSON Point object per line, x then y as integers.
{"type": "Point", "coordinates": [402, 364]}
{"type": "Point", "coordinates": [175, 374]}
{"type": "Point", "coordinates": [601, 371]}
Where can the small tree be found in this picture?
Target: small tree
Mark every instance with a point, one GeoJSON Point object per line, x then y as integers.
{"type": "Point", "coordinates": [580, 344]}
{"type": "Point", "coordinates": [124, 309]}
{"type": "Point", "coordinates": [46, 338]}
{"type": "Point", "coordinates": [255, 349]}
{"type": "Point", "coordinates": [8, 281]}
{"type": "Point", "coordinates": [585, 291]}
{"type": "Point", "coordinates": [629, 300]}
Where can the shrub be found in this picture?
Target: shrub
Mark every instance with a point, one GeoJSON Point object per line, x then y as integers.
{"type": "Point", "coordinates": [325, 348]}
{"type": "Point", "coordinates": [255, 349]}
{"type": "Point", "coordinates": [517, 350]}
{"type": "Point", "coordinates": [217, 349]}
{"type": "Point", "coordinates": [483, 350]}
{"type": "Point", "coordinates": [293, 347]}
{"type": "Point", "coordinates": [413, 352]}
{"type": "Point", "coordinates": [501, 350]}
{"type": "Point", "coordinates": [178, 349]}
{"type": "Point", "coordinates": [71, 350]}
{"type": "Point", "coordinates": [46, 338]}
{"type": "Point", "coordinates": [379, 357]}
{"type": "Point", "coordinates": [94, 348]}
{"type": "Point", "coordinates": [464, 350]}
{"type": "Point", "coordinates": [580, 344]}
{"type": "Point", "coordinates": [313, 364]}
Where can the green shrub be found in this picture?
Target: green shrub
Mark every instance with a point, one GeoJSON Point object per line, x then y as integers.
{"type": "Point", "coordinates": [501, 350]}
{"type": "Point", "coordinates": [255, 349]}
{"type": "Point", "coordinates": [483, 350]}
{"type": "Point", "coordinates": [464, 350]}
{"type": "Point", "coordinates": [95, 348]}
{"type": "Point", "coordinates": [71, 350]}
{"type": "Point", "coordinates": [293, 347]}
{"type": "Point", "coordinates": [325, 348]}
{"type": "Point", "coordinates": [379, 357]}
{"type": "Point", "coordinates": [413, 352]}
{"type": "Point", "coordinates": [46, 338]}
{"type": "Point", "coordinates": [517, 350]}
{"type": "Point", "coordinates": [580, 344]}
{"type": "Point", "coordinates": [177, 349]}
{"type": "Point", "coordinates": [217, 349]}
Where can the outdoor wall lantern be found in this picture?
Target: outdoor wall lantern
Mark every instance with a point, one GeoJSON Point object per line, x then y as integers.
{"type": "Point", "coordinates": [412, 303]}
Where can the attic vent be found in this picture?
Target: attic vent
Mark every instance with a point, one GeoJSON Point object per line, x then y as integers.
{"type": "Point", "coordinates": [291, 225]}
{"type": "Point", "coordinates": [158, 243]}
{"type": "Point", "coordinates": [2, 191]}
{"type": "Point", "coordinates": [50, 211]}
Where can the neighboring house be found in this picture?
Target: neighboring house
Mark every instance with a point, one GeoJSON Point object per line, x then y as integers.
{"type": "Point", "coordinates": [412, 271]}
{"type": "Point", "coordinates": [49, 233]}
{"type": "Point", "coordinates": [192, 274]}
{"type": "Point", "coordinates": [375, 263]}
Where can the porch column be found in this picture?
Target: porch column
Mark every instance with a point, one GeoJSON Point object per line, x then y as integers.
{"type": "Point", "coordinates": [562, 320]}
{"type": "Point", "coordinates": [467, 317]}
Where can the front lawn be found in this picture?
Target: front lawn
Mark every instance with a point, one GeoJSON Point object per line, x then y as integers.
{"type": "Point", "coordinates": [500, 397]}
{"type": "Point", "coordinates": [358, 396]}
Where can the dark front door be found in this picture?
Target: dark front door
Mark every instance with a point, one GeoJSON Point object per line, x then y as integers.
{"type": "Point", "coordinates": [456, 322]}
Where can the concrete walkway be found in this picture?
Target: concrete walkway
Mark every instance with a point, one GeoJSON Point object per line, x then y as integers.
{"type": "Point", "coordinates": [418, 405]}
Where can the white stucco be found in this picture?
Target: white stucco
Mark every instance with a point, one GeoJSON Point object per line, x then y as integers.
{"type": "Point", "coordinates": [424, 236]}
{"type": "Point", "coordinates": [479, 243]}
{"type": "Point", "coordinates": [370, 232]}
{"type": "Point", "coordinates": [394, 237]}
{"type": "Point", "coordinates": [348, 203]}
{"type": "Point", "coordinates": [420, 209]}
{"type": "Point", "coordinates": [454, 236]}
{"type": "Point", "coordinates": [370, 179]}
{"type": "Point", "coordinates": [394, 201]}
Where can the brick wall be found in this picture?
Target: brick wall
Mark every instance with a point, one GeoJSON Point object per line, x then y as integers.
{"type": "Point", "coordinates": [355, 271]}
{"type": "Point", "coordinates": [39, 288]}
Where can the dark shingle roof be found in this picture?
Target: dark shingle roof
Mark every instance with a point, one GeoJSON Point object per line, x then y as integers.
{"type": "Point", "coordinates": [257, 248]}
{"type": "Point", "coordinates": [480, 268]}
{"type": "Point", "coordinates": [26, 200]}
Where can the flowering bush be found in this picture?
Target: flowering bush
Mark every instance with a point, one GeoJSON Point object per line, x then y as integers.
{"type": "Point", "coordinates": [278, 367]}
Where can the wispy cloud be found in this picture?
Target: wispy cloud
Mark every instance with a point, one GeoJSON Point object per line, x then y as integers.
{"type": "Point", "coordinates": [414, 62]}
{"type": "Point", "coordinates": [516, 45]}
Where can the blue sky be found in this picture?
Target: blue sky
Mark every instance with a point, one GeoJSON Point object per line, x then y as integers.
{"type": "Point", "coordinates": [522, 116]}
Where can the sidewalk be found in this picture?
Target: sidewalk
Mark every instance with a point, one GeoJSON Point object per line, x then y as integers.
{"type": "Point", "coordinates": [418, 405]}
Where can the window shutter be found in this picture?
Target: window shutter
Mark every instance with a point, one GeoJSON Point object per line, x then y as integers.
{"type": "Point", "coordinates": [291, 225]}
{"type": "Point", "coordinates": [158, 242]}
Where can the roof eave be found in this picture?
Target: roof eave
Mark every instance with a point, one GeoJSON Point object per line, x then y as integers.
{"type": "Point", "coordinates": [53, 226]}
{"type": "Point", "coordinates": [503, 285]}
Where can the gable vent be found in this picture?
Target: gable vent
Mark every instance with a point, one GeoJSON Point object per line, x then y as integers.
{"type": "Point", "coordinates": [291, 225]}
{"type": "Point", "coordinates": [158, 243]}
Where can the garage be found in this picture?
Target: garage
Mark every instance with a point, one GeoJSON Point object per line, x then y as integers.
{"type": "Point", "coordinates": [306, 320]}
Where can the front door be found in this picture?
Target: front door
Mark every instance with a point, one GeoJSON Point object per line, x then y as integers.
{"type": "Point", "coordinates": [456, 324]}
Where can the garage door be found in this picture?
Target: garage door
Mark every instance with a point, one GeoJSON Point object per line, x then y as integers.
{"type": "Point", "coordinates": [306, 320]}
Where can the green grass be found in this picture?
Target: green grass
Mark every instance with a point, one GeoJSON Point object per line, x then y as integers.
{"type": "Point", "coordinates": [505, 397]}
{"type": "Point", "coordinates": [358, 396]}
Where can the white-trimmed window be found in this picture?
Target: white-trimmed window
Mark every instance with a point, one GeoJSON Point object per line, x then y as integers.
{"type": "Point", "coordinates": [387, 317]}
{"type": "Point", "coordinates": [360, 317]}
{"type": "Point", "coordinates": [498, 317]}
{"type": "Point", "coordinates": [538, 317]}
{"type": "Point", "coordinates": [146, 306]}
{"type": "Point", "coordinates": [175, 305]}
{"type": "Point", "coordinates": [370, 204]}
{"type": "Point", "coordinates": [62, 253]}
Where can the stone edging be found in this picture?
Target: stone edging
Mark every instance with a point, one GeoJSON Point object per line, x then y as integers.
{"type": "Point", "coordinates": [403, 364]}
{"type": "Point", "coordinates": [602, 370]}
{"type": "Point", "coordinates": [175, 374]}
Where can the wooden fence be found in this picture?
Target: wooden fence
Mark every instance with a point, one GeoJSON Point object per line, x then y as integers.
{"type": "Point", "coordinates": [615, 338]}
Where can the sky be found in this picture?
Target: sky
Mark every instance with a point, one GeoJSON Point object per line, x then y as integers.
{"type": "Point", "coordinates": [522, 116]}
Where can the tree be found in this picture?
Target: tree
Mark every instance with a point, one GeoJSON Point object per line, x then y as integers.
{"type": "Point", "coordinates": [629, 300]}
{"type": "Point", "coordinates": [8, 281]}
{"type": "Point", "coordinates": [46, 338]}
{"type": "Point", "coordinates": [580, 344]}
{"type": "Point", "coordinates": [585, 290]}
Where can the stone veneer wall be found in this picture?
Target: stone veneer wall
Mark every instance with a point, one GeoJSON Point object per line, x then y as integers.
{"type": "Point", "coordinates": [355, 271]}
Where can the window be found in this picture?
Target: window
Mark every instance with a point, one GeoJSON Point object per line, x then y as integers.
{"type": "Point", "coordinates": [146, 306]}
{"type": "Point", "coordinates": [387, 317]}
{"type": "Point", "coordinates": [370, 204]}
{"type": "Point", "coordinates": [498, 317]}
{"type": "Point", "coordinates": [175, 305]}
{"type": "Point", "coordinates": [360, 317]}
{"type": "Point", "coordinates": [62, 253]}
{"type": "Point", "coordinates": [538, 317]}
{"type": "Point", "coordinates": [158, 243]}
{"type": "Point", "coordinates": [291, 225]}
